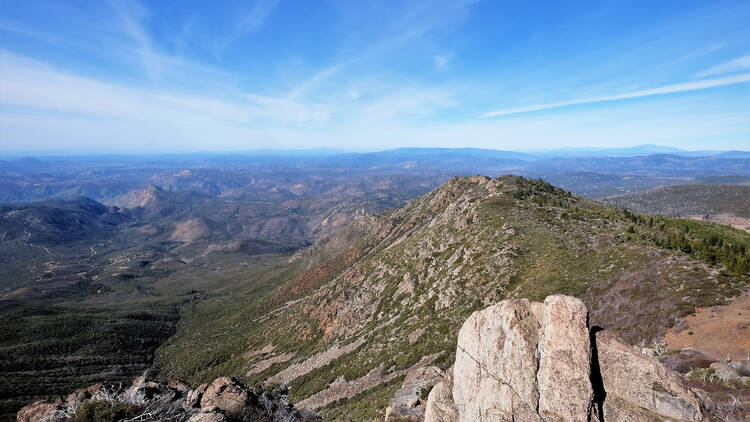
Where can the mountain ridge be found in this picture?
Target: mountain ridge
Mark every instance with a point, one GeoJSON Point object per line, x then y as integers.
{"type": "Point", "coordinates": [359, 309]}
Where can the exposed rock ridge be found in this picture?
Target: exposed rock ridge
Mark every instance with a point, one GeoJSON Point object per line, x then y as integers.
{"type": "Point", "coordinates": [523, 361]}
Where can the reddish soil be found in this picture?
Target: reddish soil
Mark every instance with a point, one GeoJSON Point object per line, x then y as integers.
{"type": "Point", "coordinates": [718, 330]}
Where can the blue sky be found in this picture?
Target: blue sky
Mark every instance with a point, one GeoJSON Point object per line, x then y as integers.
{"type": "Point", "coordinates": [178, 75]}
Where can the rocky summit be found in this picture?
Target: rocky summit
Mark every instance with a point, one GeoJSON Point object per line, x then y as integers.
{"type": "Point", "coordinates": [527, 361]}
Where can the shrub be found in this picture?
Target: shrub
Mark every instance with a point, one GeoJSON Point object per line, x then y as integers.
{"type": "Point", "coordinates": [423, 393]}
{"type": "Point", "coordinates": [104, 411]}
{"type": "Point", "coordinates": [659, 347]}
{"type": "Point", "coordinates": [703, 375]}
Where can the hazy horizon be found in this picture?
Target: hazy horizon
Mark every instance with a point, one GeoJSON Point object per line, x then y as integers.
{"type": "Point", "coordinates": [181, 77]}
{"type": "Point", "coordinates": [644, 149]}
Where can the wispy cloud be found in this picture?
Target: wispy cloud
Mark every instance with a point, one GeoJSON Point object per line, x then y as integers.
{"type": "Point", "coordinates": [37, 86]}
{"type": "Point", "coordinates": [257, 16]}
{"type": "Point", "coordinates": [414, 20]}
{"type": "Point", "coordinates": [404, 102]}
{"type": "Point", "coordinates": [131, 15]}
{"type": "Point", "coordinates": [699, 52]}
{"type": "Point", "coordinates": [315, 80]}
{"type": "Point", "coordinates": [289, 110]}
{"type": "Point", "coordinates": [249, 22]}
{"type": "Point", "coordinates": [441, 61]}
{"type": "Point", "coordinates": [363, 73]}
{"type": "Point", "coordinates": [738, 64]}
{"type": "Point", "coordinates": [667, 89]}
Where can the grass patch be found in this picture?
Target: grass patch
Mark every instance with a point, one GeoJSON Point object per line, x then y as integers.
{"type": "Point", "coordinates": [365, 406]}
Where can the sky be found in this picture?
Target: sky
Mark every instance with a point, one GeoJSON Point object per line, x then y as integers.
{"type": "Point", "coordinates": [183, 76]}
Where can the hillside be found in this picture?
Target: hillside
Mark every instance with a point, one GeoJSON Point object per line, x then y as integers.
{"type": "Point", "coordinates": [515, 361]}
{"type": "Point", "coordinates": [724, 204]}
{"type": "Point", "coordinates": [88, 291]}
{"type": "Point", "coordinates": [58, 222]}
{"type": "Point", "coordinates": [351, 315]}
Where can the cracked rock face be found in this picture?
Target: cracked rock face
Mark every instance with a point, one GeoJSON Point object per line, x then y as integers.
{"type": "Point", "coordinates": [496, 361]}
{"type": "Point", "coordinates": [524, 361]}
{"type": "Point", "coordinates": [563, 379]}
{"type": "Point", "coordinates": [637, 384]}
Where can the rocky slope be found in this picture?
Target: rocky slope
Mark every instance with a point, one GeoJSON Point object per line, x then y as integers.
{"type": "Point", "coordinates": [517, 361]}
{"type": "Point", "coordinates": [531, 362]}
{"type": "Point", "coordinates": [358, 315]}
{"type": "Point", "coordinates": [223, 400]}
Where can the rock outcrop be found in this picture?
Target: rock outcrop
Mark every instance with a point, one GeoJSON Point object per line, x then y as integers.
{"type": "Point", "coordinates": [224, 400]}
{"type": "Point", "coordinates": [639, 387]}
{"type": "Point", "coordinates": [523, 361]}
{"type": "Point", "coordinates": [440, 404]}
{"type": "Point", "coordinates": [408, 402]}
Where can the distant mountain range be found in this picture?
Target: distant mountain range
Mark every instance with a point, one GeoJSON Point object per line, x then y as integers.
{"type": "Point", "coordinates": [634, 151]}
{"type": "Point", "coordinates": [591, 172]}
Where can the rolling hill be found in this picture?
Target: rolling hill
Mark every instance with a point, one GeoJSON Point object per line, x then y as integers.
{"type": "Point", "coordinates": [724, 204]}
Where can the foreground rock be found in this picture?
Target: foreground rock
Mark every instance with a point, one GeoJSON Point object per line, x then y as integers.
{"type": "Point", "coordinates": [639, 387]}
{"type": "Point", "coordinates": [408, 402]}
{"type": "Point", "coordinates": [523, 361]}
{"type": "Point", "coordinates": [224, 400]}
{"type": "Point", "coordinates": [440, 404]}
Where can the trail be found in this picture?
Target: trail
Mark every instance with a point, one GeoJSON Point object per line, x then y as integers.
{"type": "Point", "coordinates": [28, 240]}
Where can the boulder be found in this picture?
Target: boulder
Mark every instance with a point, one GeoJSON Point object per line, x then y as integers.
{"type": "Point", "coordinates": [207, 417]}
{"type": "Point", "coordinates": [563, 378]}
{"type": "Point", "coordinates": [494, 376]}
{"type": "Point", "coordinates": [530, 362]}
{"type": "Point", "coordinates": [639, 387]}
{"type": "Point", "coordinates": [223, 400]}
{"type": "Point", "coordinates": [193, 397]}
{"type": "Point", "coordinates": [39, 411]}
{"type": "Point", "coordinates": [440, 406]}
{"type": "Point", "coordinates": [181, 386]}
{"type": "Point", "coordinates": [82, 394]}
{"type": "Point", "coordinates": [406, 401]}
{"type": "Point", "coordinates": [142, 390]}
{"type": "Point", "coordinates": [227, 394]}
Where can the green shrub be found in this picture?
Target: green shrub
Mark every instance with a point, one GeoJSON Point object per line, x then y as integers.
{"type": "Point", "coordinates": [104, 411]}
{"type": "Point", "coordinates": [423, 393]}
{"type": "Point", "coordinates": [703, 375]}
